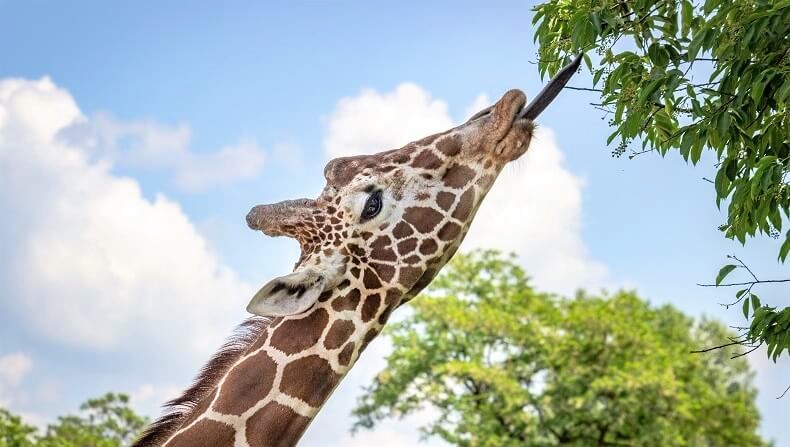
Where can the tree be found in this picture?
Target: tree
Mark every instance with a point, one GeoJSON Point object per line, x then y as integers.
{"type": "Point", "coordinates": [651, 55]}
{"type": "Point", "coordinates": [504, 365]}
{"type": "Point", "coordinates": [107, 421]}
{"type": "Point", "coordinates": [14, 432]}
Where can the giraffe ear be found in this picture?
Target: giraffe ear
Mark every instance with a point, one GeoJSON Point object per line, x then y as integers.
{"type": "Point", "coordinates": [288, 295]}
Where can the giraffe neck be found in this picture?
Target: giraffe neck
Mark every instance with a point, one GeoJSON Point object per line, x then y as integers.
{"type": "Point", "coordinates": [271, 393]}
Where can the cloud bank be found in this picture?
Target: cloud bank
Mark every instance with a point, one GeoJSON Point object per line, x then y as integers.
{"type": "Point", "coordinates": [146, 144]}
{"type": "Point", "coordinates": [87, 261]}
{"type": "Point", "coordinates": [13, 369]}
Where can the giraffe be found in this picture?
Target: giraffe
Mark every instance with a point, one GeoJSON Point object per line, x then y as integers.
{"type": "Point", "coordinates": [380, 231]}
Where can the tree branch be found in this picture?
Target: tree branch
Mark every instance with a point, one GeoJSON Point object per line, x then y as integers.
{"type": "Point", "coordinates": [748, 283]}
{"type": "Point", "coordinates": [584, 89]}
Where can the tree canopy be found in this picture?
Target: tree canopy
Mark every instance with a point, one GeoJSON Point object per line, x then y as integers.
{"type": "Point", "coordinates": [505, 365]}
{"type": "Point", "coordinates": [686, 76]}
{"type": "Point", "coordinates": [106, 421]}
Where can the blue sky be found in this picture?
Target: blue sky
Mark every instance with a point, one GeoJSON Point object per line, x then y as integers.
{"type": "Point", "coordinates": [208, 110]}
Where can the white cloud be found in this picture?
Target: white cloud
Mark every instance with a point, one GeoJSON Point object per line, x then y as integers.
{"type": "Point", "coordinates": [373, 122]}
{"type": "Point", "coordinates": [148, 144]}
{"type": "Point", "coordinates": [224, 167]}
{"type": "Point", "coordinates": [534, 208]}
{"type": "Point", "coordinates": [87, 260]}
{"type": "Point", "coordinates": [13, 369]}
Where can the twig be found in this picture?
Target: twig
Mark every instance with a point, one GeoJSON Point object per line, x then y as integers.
{"type": "Point", "coordinates": [636, 154]}
{"type": "Point", "coordinates": [584, 89]}
{"type": "Point", "coordinates": [785, 392]}
{"type": "Point", "coordinates": [746, 353]}
{"type": "Point", "coordinates": [739, 343]}
{"type": "Point", "coordinates": [749, 283]}
{"type": "Point", "coordinates": [744, 266]}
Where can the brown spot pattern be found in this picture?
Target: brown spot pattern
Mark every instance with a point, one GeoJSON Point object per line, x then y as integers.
{"type": "Point", "coordinates": [275, 425]}
{"type": "Point", "coordinates": [427, 160]}
{"type": "Point", "coordinates": [409, 275]}
{"type": "Point", "coordinates": [297, 335]}
{"type": "Point", "coordinates": [309, 378]}
{"type": "Point", "coordinates": [345, 354]}
{"type": "Point", "coordinates": [423, 219]}
{"type": "Point", "coordinates": [383, 254]}
{"type": "Point", "coordinates": [246, 384]}
{"type": "Point", "coordinates": [449, 231]}
{"type": "Point", "coordinates": [392, 298]}
{"type": "Point", "coordinates": [465, 204]}
{"type": "Point", "coordinates": [402, 230]}
{"type": "Point", "coordinates": [428, 246]}
{"type": "Point", "coordinates": [338, 334]}
{"type": "Point", "coordinates": [347, 302]}
{"type": "Point", "coordinates": [370, 280]}
{"type": "Point", "coordinates": [449, 145]}
{"type": "Point", "coordinates": [206, 433]}
{"type": "Point", "coordinates": [386, 272]}
{"type": "Point", "coordinates": [445, 199]}
{"type": "Point", "coordinates": [407, 246]}
{"type": "Point", "coordinates": [458, 176]}
{"type": "Point", "coordinates": [370, 307]}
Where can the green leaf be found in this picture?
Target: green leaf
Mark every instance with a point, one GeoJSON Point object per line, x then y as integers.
{"type": "Point", "coordinates": [721, 183]}
{"type": "Point", "coordinates": [612, 137]}
{"type": "Point", "coordinates": [723, 123]}
{"type": "Point", "coordinates": [755, 302]}
{"type": "Point", "coordinates": [686, 11]}
{"type": "Point", "coordinates": [696, 44]}
{"type": "Point", "coordinates": [595, 18]}
{"type": "Point", "coordinates": [724, 272]}
{"type": "Point", "coordinates": [648, 91]}
{"type": "Point", "coordinates": [785, 248]}
{"type": "Point", "coordinates": [745, 308]}
{"type": "Point", "coordinates": [685, 143]}
{"type": "Point", "coordinates": [757, 89]}
{"type": "Point", "coordinates": [597, 76]}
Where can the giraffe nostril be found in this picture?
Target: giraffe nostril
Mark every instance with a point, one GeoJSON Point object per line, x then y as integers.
{"type": "Point", "coordinates": [252, 221]}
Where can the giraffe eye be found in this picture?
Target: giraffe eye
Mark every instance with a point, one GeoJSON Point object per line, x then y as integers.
{"type": "Point", "coordinates": [372, 206]}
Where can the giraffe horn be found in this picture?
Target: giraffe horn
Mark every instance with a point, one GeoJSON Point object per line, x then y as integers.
{"type": "Point", "coordinates": [551, 90]}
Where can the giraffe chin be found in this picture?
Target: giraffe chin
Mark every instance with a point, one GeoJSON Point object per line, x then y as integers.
{"type": "Point", "coordinates": [517, 141]}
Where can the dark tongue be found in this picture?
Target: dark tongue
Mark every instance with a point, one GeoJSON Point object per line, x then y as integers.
{"type": "Point", "coordinates": [550, 91]}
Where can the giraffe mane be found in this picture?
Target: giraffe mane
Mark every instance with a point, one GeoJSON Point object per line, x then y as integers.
{"type": "Point", "coordinates": [177, 410]}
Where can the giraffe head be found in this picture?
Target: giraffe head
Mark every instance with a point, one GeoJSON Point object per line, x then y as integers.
{"type": "Point", "coordinates": [392, 220]}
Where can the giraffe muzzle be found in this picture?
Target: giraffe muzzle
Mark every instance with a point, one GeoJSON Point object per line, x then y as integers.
{"type": "Point", "coordinates": [280, 219]}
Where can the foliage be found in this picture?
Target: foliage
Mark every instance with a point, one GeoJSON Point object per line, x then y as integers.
{"type": "Point", "coordinates": [650, 52]}
{"type": "Point", "coordinates": [14, 432]}
{"type": "Point", "coordinates": [107, 421]}
{"type": "Point", "coordinates": [504, 365]}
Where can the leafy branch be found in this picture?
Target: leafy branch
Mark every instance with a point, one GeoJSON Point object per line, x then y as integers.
{"type": "Point", "coordinates": [735, 106]}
